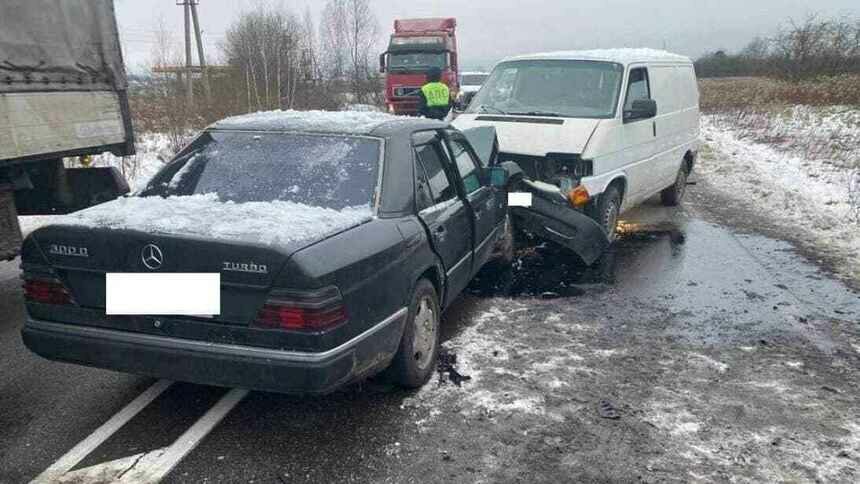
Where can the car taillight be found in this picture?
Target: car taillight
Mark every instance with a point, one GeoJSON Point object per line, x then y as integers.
{"type": "Point", "coordinates": [311, 311]}
{"type": "Point", "coordinates": [46, 291]}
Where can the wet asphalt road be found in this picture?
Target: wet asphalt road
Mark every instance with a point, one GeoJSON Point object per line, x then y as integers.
{"type": "Point", "coordinates": [698, 350]}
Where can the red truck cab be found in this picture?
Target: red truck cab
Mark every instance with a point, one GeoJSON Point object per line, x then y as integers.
{"type": "Point", "coordinates": [416, 46]}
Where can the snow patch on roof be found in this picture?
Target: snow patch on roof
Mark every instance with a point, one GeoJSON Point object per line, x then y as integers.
{"type": "Point", "coordinates": [276, 224]}
{"type": "Point", "coordinates": [350, 122]}
{"type": "Point", "coordinates": [622, 56]}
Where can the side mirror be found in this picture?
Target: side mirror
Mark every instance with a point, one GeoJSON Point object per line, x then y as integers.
{"type": "Point", "coordinates": [382, 62]}
{"type": "Point", "coordinates": [499, 176]}
{"type": "Point", "coordinates": [641, 109]}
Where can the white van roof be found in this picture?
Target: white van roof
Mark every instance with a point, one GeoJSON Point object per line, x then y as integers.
{"type": "Point", "coordinates": [621, 56]}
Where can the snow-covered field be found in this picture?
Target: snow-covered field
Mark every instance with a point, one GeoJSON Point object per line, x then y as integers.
{"type": "Point", "coordinates": [799, 167]}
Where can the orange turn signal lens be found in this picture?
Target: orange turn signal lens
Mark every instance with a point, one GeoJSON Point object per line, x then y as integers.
{"type": "Point", "coordinates": [579, 197]}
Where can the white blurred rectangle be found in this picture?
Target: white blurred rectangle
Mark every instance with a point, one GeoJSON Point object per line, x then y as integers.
{"type": "Point", "coordinates": [175, 294]}
{"type": "Point", "coordinates": [519, 199]}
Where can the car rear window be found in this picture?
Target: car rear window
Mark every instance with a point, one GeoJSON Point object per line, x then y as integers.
{"type": "Point", "coordinates": [330, 171]}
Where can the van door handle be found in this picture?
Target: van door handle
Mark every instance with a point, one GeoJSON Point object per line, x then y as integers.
{"type": "Point", "coordinates": [654, 126]}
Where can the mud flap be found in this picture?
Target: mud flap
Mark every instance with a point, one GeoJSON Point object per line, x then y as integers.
{"type": "Point", "coordinates": [564, 226]}
{"type": "Point", "coordinates": [10, 232]}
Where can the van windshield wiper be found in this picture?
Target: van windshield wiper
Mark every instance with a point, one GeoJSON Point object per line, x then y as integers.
{"type": "Point", "coordinates": [484, 108]}
{"type": "Point", "coordinates": [548, 114]}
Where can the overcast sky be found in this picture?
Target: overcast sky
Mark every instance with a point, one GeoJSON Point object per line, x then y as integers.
{"type": "Point", "coordinates": [492, 29]}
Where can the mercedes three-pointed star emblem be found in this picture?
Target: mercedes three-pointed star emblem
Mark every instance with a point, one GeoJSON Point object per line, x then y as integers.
{"type": "Point", "coordinates": [152, 257]}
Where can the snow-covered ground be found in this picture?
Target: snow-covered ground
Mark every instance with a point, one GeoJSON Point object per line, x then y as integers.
{"type": "Point", "coordinates": [800, 167]}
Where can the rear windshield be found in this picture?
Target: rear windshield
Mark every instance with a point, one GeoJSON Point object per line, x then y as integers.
{"type": "Point", "coordinates": [323, 171]}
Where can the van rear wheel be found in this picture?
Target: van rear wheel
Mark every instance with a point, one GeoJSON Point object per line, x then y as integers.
{"type": "Point", "coordinates": [672, 196]}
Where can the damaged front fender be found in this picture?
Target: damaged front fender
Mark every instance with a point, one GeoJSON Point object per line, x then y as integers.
{"type": "Point", "coordinates": [563, 225]}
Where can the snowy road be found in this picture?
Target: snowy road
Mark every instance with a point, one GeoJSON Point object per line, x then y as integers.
{"type": "Point", "coordinates": [700, 350]}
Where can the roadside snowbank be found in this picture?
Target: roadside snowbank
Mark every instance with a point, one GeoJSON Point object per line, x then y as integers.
{"type": "Point", "coordinates": [276, 224]}
{"type": "Point", "coordinates": [786, 168]}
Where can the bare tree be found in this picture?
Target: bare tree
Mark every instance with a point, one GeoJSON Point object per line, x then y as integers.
{"type": "Point", "coordinates": [265, 46]}
{"type": "Point", "coordinates": [349, 33]}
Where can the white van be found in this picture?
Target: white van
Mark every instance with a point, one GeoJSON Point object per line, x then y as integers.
{"type": "Point", "coordinates": [607, 128]}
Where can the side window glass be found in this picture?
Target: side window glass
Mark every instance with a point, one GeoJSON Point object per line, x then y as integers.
{"type": "Point", "coordinates": [423, 195]}
{"type": "Point", "coordinates": [430, 158]}
{"type": "Point", "coordinates": [637, 87]}
{"type": "Point", "coordinates": [466, 166]}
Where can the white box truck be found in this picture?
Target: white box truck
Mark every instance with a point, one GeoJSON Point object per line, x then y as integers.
{"type": "Point", "coordinates": [63, 93]}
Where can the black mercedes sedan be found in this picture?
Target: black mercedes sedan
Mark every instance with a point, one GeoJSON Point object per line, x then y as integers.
{"type": "Point", "coordinates": [334, 240]}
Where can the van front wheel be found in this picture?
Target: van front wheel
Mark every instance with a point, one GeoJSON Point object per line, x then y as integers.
{"type": "Point", "coordinates": [606, 211]}
{"type": "Point", "coordinates": [672, 196]}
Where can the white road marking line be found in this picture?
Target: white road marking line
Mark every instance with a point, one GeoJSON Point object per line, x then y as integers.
{"type": "Point", "coordinates": [80, 451]}
{"type": "Point", "coordinates": [155, 471]}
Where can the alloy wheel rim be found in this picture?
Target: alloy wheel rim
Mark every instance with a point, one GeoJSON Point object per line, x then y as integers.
{"type": "Point", "coordinates": [425, 333]}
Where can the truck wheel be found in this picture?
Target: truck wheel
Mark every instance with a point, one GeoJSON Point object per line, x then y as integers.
{"type": "Point", "coordinates": [607, 210]}
{"type": "Point", "coordinates": [419, 347]}
{"type": "Point", "coordinates": [672, 196]}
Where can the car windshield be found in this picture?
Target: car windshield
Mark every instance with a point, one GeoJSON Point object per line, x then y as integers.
{"type": "Point", "coordinates": [473, 79]}
{"type": "Point", "coordinates": [576, 89]}
{"type": "Point", "coordinates": [417, 61]}
{"type": "Point", "coordinates": [323, 171]}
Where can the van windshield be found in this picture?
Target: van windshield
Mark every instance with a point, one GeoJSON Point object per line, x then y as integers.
{"type": "Point", "coordinates": [573, 89]}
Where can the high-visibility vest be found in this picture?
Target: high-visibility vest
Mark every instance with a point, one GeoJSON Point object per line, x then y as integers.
{"type": "Point", "coordinates": [437, 94]}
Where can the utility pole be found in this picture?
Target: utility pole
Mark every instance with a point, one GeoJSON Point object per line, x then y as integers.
{"type": "Point", "coordinates": [189, 83]}
{"type": "Point", "coordinates": [207, 88]}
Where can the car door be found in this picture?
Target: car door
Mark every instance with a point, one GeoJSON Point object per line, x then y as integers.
{"type": "Point", "coordinates": [482, 199]}
{"type": "Point", "coordinates": [443, 211]}
{"type": "Point", "coordinates": [639, 140]}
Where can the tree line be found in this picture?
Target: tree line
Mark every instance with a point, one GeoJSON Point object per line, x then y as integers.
{"type": "Point", "coordinates": [802, 50]}
{"type": "Point", "coordinates": [273, 58]}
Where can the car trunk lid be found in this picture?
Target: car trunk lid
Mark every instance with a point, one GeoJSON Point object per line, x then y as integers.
{"type": "Point", "coordinates": [81, 258]}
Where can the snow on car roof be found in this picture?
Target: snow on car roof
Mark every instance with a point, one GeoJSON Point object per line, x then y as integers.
{"type": "Point", "coordinates": [622, 56]}
{"type": "Point", "coordinates": [350, 122]}
{"type": "Point", "coordinates": [208, 217]}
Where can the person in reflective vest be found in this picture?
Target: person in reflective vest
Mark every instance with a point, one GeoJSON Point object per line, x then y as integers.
{"type": "Point", "coordinates": [435, 96]}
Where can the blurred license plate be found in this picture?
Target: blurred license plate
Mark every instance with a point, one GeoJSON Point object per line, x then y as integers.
{"type": "Point", "coordinates": [191, 294]}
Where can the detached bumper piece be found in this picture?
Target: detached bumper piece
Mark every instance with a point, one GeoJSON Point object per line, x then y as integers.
{"type": "Point", "coordinates": [563, 225]}
{"type": "Point", "coordinates": [214, 363]}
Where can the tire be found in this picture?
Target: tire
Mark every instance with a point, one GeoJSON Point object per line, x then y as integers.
{"type": "Point", "coordinates": [672, 196]}
{"type": "Point", "coordinates": [607, 210]}
{"type": "Point", "coordinates": [416, 357]}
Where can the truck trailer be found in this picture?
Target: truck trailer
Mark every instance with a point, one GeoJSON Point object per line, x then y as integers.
{"type": "Point", "coordinates": [416, 46]}
{"type": "Point", "coordinates": [63, 94]}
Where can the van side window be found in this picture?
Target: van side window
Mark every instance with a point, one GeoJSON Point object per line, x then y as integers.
{"type": "Point", "coordinates": [638, 87]}
{"type": "Point", "coordinates": [429, 158]}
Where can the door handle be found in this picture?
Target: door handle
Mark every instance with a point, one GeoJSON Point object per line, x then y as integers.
{"type": "Point", "coordinates": [440, 229]}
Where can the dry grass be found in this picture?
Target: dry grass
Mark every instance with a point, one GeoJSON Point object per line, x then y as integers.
{"type": "Point", "coordinates": [755, 93]}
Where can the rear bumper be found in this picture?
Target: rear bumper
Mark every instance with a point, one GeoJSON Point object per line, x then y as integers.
{"type": "Point", "coordinates": [218, 364]}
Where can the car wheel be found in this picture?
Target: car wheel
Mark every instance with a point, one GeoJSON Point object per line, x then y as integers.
{"type": "Point", "coordinates": [672, 196]}
{"type": "Point", "coordinates": [608, 208]}
{"type": "Point", "coordinates": [419, 347]}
